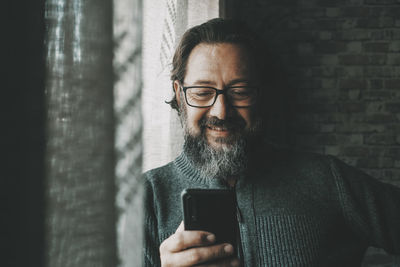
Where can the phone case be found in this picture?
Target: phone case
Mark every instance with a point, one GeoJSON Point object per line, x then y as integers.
{"type": "Point", "coordinates": [211, 210]}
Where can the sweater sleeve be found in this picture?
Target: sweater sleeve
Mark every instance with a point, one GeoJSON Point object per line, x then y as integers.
{"type": "Point", "coordinates": [151, 239]}
{"type": "Point", "coordinates": [371, 207]}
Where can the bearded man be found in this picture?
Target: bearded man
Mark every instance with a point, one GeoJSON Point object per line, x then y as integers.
{"type": "Point", "coordinates": [297, 209]}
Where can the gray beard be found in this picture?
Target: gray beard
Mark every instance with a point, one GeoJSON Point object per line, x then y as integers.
{"type": "Point", "coordinates": [222, 163]}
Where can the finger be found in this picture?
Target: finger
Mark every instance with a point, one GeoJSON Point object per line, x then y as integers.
{"type": "Point", "coordinates": [203, 254]}
{"type": "Point", "coordinates": [230, 262]}
{"type": "Point", "coordinates": [181, 228]}
{"type": "Point", "coordinates": [187, 239]}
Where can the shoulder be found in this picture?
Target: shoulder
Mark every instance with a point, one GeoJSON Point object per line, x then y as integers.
{"type": "Point", "coordinates": [155, 180]}
{"type": "Point", "coordinates": [162, 179]}
{"type": "Point", "coordinates": [159, 173]}
{"type": "Point", "coordinates": [319, 169]}
{"type": "Point", "coordinates": [302, 160]}
{"type": "Point", "coordinates": [309, 169]}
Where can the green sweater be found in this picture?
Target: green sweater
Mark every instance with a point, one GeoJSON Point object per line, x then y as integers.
{"type": "Point", "coordinates": [297, 209]}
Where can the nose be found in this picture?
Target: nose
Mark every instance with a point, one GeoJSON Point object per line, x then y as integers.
{"type": "Point", "coordinates": [220, 107]}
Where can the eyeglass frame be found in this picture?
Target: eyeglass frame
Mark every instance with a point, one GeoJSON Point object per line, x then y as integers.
{"type": "Point", "coordinates": [218, 92]}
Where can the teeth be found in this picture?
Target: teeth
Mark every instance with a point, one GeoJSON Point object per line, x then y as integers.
{"type": "Point", "coordinates": [217, 128]}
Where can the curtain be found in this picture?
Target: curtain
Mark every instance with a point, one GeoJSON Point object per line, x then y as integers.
{"type": "Point", "coordinates": [79, 156]}
{"type": "Point", "coordinates": [128, 140]}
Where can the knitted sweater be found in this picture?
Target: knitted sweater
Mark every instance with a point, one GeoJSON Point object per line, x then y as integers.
{"type": "Point", "coordinates": [297, 209]}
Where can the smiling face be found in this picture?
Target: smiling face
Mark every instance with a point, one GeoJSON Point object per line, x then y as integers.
{"type": "Point", "coordinates": [220, 65]}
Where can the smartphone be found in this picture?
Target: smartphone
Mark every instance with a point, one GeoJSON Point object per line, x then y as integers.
{"type": "Point", "coordinates": [212, 210]}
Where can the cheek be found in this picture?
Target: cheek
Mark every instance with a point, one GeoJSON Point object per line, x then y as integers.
{"type": "Point", "coordinates": [247, 115]}
{"type": "Point", "coordinates": [194, 115]}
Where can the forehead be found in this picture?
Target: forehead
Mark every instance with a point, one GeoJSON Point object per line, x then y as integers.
{"type": "Point", "coordinates": [219, 62]}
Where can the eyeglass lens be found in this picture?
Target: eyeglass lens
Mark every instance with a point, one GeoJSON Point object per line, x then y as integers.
{"type": "Point", "coordinates": [206, 96]}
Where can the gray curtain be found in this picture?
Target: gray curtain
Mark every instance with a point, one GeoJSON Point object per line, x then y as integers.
{"type": "Point", "coordinates": [128, 142]}
{"type": "Point", "coordinates": [79, 157]}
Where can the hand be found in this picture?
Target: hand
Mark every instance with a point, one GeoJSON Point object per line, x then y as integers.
{"type": "Point", "coordinates": [188, 248]}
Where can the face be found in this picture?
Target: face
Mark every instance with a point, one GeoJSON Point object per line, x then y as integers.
{"type": "Point", "coordinates": [220, 66]}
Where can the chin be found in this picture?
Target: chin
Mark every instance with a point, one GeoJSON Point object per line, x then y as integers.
{"type": "Point", "coordinates": [221, 143]}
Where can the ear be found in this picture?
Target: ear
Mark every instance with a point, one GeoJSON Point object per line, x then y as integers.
{"type": "Point", "coordinates": [177, 88]}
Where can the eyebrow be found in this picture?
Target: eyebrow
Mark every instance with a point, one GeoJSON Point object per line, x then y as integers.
{"type": "Point", "coordinates": [211, 83]}
{"type": "Point", "coordinates": [204, 82]}
{"type": "Point", "coordinates": [239, 80]}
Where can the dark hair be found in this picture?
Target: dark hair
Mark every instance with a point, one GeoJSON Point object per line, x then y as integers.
{"type": "Point", "coordinates": [213, 31]}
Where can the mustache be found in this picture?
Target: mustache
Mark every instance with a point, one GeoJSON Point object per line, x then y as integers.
{"type": "Point", "coordinates": [236, 123]}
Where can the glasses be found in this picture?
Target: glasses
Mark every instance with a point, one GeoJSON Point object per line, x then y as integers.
{"type": "Point", "coordinates": [205, 96]}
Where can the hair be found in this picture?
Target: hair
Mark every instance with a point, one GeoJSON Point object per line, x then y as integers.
{"type": "Point", "coordinates": [213, 31]}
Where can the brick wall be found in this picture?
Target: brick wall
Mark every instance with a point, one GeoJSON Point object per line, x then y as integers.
{"type": "Point", "coordinates": [341, 62]}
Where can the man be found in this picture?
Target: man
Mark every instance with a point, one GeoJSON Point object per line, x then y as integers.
{"type": "Point", "coordinates": [296, 209]}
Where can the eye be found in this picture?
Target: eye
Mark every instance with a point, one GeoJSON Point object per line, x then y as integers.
{"type": "Point", "coordinates": [241, 92]}
{"type": "Point", "coordinates": [200, 92]}
{"type": "Point", "coordinates": [204, 93]}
